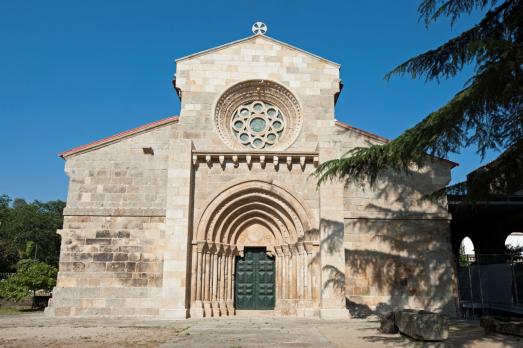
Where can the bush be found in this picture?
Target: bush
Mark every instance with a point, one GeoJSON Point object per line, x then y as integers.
{"type": "Point", "coordinates": [31, 275]}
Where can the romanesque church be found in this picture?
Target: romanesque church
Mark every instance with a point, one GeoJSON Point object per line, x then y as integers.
{"type": "Point", "coordinates": [214, 212]}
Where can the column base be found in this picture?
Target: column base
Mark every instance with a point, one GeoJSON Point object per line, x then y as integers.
{"type": "Point", "coordinates": [175, 313]}
{"type": "Point", "coordinates": [307, 312]}
{"type": "Point", "coordinates": [207, 309]}
{"type": "Point", "coordinates": [230, 308]}
{"type": "Point", "coordinates": [334, 313]}
{"type": "Point", "coordinates": [197, 310]}
{"type": "Point", "coordinates": [216, 308]}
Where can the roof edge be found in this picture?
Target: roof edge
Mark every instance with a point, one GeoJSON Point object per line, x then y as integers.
{"type": "Point", "coordinates": [385, 140]}
{"type": "Point", "coordinates": [361, 131]}
{"type": "Point", "coordinates": [221, 47]}
{"type": "Point", "coordinates": [116, 137]}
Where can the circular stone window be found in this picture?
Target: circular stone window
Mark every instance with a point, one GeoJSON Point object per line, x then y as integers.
{"type": "Point", "coordinates": [259, 115]}
{"type": "Point", "coordinates": [258, 124]}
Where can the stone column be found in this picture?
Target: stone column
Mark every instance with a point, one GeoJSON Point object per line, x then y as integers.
{"type": "Point", "coordinates": [197, 307]}
{"type": "Point", "coordinates": [293, 274]}
{"type": "Point", "coordinates": [207, 284]}
{"type": "Point", "coordinates": [279, 279]}
{"type": "Point", "coordinates": [332, 252]}
{"type": "Point", "coordinates": [230, 282]}
{"type": "Point", "coordinates": [215, 287]}
{"type": "Point", "coordinates": [176, 271]}
{"type": "Point", "coordinates": [232, 310]}
{"type": "Point", "coordinates": [299, 268]}
{"type": "Point", "coordinates": [223, 280]}
{"type": "Point", "coordinates": [194, 265]}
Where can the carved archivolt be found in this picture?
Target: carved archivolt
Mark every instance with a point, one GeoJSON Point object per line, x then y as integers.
{"type": "Point", "coordinates": [223, 220]}
{"type": "Point", "coordinates": [260, 214]}
{"type": "Point", "coordinates": [258, 114]}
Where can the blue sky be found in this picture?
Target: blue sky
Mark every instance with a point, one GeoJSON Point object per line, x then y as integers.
{"type": "Point", "coordinates": [76, 71]}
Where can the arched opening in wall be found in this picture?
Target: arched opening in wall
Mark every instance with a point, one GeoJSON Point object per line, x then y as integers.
{"type": "Point", "coordinates": [467, 254]}
{"type": "Point", "coordinates": [514, 247]}
{"type": "Point", "coordinates": [255, 247]}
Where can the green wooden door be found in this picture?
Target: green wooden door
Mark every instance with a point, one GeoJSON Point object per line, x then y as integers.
{"type": "Point", "coordinates": [254, 280]}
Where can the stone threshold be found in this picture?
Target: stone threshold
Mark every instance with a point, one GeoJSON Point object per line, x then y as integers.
{"type": "Point", "coordinates": [253, 313]}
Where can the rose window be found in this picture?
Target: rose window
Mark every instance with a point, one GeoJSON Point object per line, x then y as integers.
{"type": "Point", "coordinates": [258, 125]}
{"type": "Point", "coordinates": [258, 115]}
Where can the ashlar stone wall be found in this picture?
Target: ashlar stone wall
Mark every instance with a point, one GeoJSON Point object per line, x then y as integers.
{"type": "Point", "coordinates": [397, 243]}
{"type": "Point", "coordinates": [111, 259]}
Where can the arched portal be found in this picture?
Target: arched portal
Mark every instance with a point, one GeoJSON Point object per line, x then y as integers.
{"type": "Point", "coordinates": [466, 251]}
{"type": "Point", "coordinates": [256, 214]}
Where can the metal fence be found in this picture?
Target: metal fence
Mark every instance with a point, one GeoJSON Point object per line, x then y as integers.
{"type": "Point", "coordinates": [491, 283]}
{"type": "Point", "coordinates": [5, 275]}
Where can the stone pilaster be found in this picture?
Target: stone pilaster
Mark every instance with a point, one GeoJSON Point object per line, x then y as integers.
{"type": "Point", "coordinates": [332, 252]}
{"type": "Point", "coordinates": [175, 295]}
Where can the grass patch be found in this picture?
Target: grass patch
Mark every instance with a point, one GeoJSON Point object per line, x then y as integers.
{"type": "Point", "coordinates": [18, 310]}
{"type": "Point", "coordinates": [9, 311]}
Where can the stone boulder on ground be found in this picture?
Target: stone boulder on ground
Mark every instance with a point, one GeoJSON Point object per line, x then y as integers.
{"type": "Point", "coordinates": [387, 324]}
{"type": "Point", "coordinates": [511, 326]}
{"type": "Point", "coordinates": [422, 325]}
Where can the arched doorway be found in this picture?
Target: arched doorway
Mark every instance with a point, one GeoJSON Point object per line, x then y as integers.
{"type": "Point", "coordinates": [248, 216]}
{"type": "Point", "coordinates": [514, 246]}
{"type": "Point", "coordinates": [466, 252]}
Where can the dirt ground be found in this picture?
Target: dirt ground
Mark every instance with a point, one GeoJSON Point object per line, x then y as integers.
{"type": "Point", "coordinates": [36, 330]}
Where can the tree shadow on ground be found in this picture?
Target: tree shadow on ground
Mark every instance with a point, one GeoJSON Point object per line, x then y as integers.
{"type": "Point", "coordinates": [461, 334]}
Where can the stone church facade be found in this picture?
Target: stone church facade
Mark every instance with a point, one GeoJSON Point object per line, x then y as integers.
{"type": "Point", "coordinates": [215, 211]}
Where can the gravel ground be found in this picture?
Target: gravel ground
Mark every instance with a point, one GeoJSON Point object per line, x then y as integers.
{"type": "Point", "coordinates": [34, 329]}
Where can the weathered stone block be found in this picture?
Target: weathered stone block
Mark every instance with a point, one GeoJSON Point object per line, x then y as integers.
{"type": "Point", "coordinates": [120, 257]}
{"type": "Point", "coordinates": [99, 241]}
{"type": "Point", "coordinates": [78, 267]}
{"type": "Point", "coordinates": [115, 266]}
{"type": "Point", "coordinates": [130, 266]}
{"type": "Point", "coordinates": [103, 234]}
{"type": "Point", "coordinates": [103, 257]}
{"type": "Point", "coordinates": [123, 234]}
{"type": "Point", "coordinates": [387, 323]}
{"type": "Point", "coordinates": [511, 326]}
{"type": "Point", "coordinates": [422, 325]}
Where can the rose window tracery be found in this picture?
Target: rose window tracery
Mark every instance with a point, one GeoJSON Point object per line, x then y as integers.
{"type": "Point", "coordinates": [258, 124]}
{"type": "Point", "coordinates": [258, 115]}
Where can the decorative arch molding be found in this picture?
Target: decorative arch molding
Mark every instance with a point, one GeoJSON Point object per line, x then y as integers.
{"type": "Point", "coordinates": [253, 213]}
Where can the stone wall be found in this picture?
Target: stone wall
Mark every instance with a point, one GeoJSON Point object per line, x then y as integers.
{"type": "Point", "coordinates": [400, 263]}
{"type": "Point", "coordinates": [109, 266]}
{"type": "Point", "coordinates": [397, 244]}
{"type": "Point", "coordinates": [111, 259]}
{"type": "Point", "coordinates": [119, 178]}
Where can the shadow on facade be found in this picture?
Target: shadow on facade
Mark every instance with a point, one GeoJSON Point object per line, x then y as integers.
{"type": "Point", "coordinates": [397, 258]}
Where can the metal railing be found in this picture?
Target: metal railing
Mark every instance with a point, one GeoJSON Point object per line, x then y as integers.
{"type": "Point", "coordinates": [490, 282]}
{"type": "Point", "coordinates": [5, 275]}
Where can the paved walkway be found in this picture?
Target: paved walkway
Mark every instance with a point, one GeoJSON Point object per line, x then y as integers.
{"type": "Point", "coordinates": [36, 330]}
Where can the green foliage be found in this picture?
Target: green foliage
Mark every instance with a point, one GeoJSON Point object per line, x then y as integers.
{"type": "Point", "coordinates": [28, 230]}
{"type": "Point", "coordinates": [31, 275]}
{"type": "Point", "coordinates": [462, 257]}
{"type": "Point", "coordinates": [514, 253]}
{"type": "Point", "coordinates": [488, 112]}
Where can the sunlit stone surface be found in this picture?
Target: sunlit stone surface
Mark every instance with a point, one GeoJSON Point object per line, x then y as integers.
{"type": "Point", "coordinates": [157, 218]}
